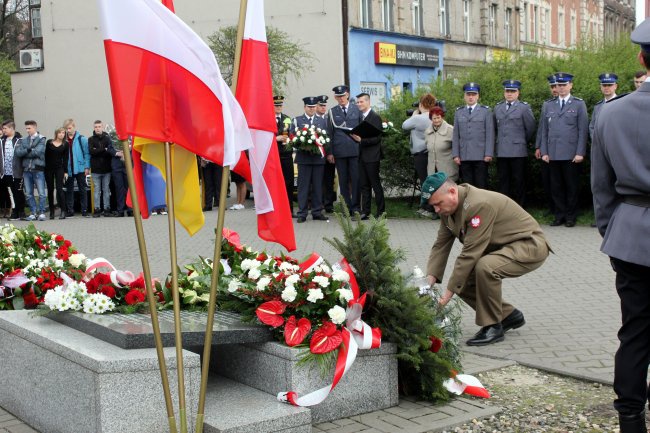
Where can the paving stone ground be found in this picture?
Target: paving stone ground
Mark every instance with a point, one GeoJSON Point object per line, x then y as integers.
{"type": "Point", "coordinates": [570, 303]}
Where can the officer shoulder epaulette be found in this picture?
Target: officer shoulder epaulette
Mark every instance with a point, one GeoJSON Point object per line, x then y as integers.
{"type": "Point", "coordinates": [500, 102]}
{"type": "Point", "coordinates": [524, 102]}
{"type": "Point", "coordinates": [599, 102]}
{"type": "Point", "coordinates": [551, 99]}
{"type": "Point", "coordinates": [485, 106]}
{"type": "Point", "coordinates": [618, 97]}
{"type": "Point", "coordinates": [577, 99]}
{"type": "Point", "coordinates": [458, 108]}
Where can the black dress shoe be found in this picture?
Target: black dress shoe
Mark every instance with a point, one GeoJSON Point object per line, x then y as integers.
{"type": "Point", "coordinates": [207, 209]}
{"type": "Point", "coordinates": [319, 218]}
{"type": "Point", "coordinates": [301, 220]}
{"type": "Point", "coordinates": [487, 335]}
{"type": "Point", "coordinates": [556, 223]}
{"type": "Point", "coordinates": [329, 210]}
{"type": "Point", "coordinates": [632, 423]}
{"type": "Point", "coordinates": [570, 224]}
{"type": "Point", "coordinates": [513, 321]}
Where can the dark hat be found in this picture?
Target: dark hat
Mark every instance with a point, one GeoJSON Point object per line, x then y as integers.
{"type": "Point", "coordinates": [322, 100]}
{"type": "Point", "coordinates": [563, 77]}
{"type": "Point", "coordinates": [551, 79]}
{"type": "Point", "coordinates": [608, 78]}
{"type": "Point", "coordinates": [341, 90]}
{"type": "Point", "coordinates": [641, 35]}
{"type": "Point", "coordinates": [512, 85]}
{"type": "Point", "coordinates": [471, 88]}
{"type": "Point", "coordinates": [431, 185]}
{"type": "Point", "coordinates": [310, 101]}
{"type": "Point", "coordinates": [278, 100]}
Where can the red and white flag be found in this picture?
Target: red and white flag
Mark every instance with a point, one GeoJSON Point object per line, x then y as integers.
{"type": "Point", "coordinates": [255, 94]}
{"type": "Point", "coordinates": [166, 84]}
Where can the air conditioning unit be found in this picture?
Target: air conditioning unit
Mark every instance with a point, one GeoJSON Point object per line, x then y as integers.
{"type": "Point", "coordinates": [31, 59]}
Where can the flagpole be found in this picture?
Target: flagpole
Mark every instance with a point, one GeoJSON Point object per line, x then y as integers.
{"type": "Point", "coordinates": [171, 222]}
{"type": "Point", "coordinates": [151, 298]}
{"type": "Point", "coordinates": [216, 258]}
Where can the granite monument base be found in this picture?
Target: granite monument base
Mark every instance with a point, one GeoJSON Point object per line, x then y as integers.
{"type": "Point", "coordinates": [371, 383]}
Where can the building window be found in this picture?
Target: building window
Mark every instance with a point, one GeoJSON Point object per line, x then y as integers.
{"type": "Point", "coordinates": [507, 27]}
{"type": "Point", "coordinates": [466, 20]}
{"type": "Point", "coordinates": [417, 16]}
{"type": "Point", "coordinates": [34, 2]}
{"type": "Point", "coordinates": [387, 15]}
{"type": "Point", "coordinates": [365, 6]}
{"type": "Point", "coordinates": [492, 24]}
{"type": "Point", "coordinates": [526, 22]}
{"type": "Point", "coordinates": [36, 23]}
{"type": "Point", "coordinates": [573, 30]}
{"type": "Point", "coordinates": [547, 26]}
{"type": "Point", "coordinates": [444, 18]}
{"type": "Point", "coordinates": [535, 29]}
{"type": "Point", "coordinates": [561, 29]}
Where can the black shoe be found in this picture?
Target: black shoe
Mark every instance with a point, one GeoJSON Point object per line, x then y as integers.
{"type": "Point", "coordinates": [364, 217]}
{"type": "Point", "coordinates": [513, 321]}
{"type": "Point", "coordinates": [594, 225]}
{"type": "Point", "coordinates": [69, 214]}
{"type": "Point", "coordinates": [570, 224]}
{"type": "Point", "coordinates": [14, 217]}
{"type": "Point", "coordinates": [62, 215]}
{"type": "Point", "coordinates": [207, 209]}
{"type": "Point", "coordinates": [107, 213]}
{"type": "Point", "coordinates": [556, 223]}
{"type": "Point", "coordinates": [129, 212]}
{"type": "Point", "coordinates": [329, 209]}
{"type": "Point", "coordinates": [632, 423]}
{"type": "Point", "coordinates": [487, 335]}
{"type": "Point", "coordinates": [293, 215]}
{"type": "Point", "coordinates": [85, 214]}
{"type": "Point", "coordinates": [301, 220]}
{"type": "Point", "coordinates": [96, 214]}
{"type": "Point", "coordinates": [52, 214]}
{"type": "Point", "coordinates": [319, 218]}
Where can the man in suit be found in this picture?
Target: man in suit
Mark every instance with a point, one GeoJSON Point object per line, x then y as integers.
{"type": "Point", "coordinates": [564, 126]}
{"type": "Point", "coordinates": [500, 240]}
{"type": "Point", "coordinates": [370, 155]}
{"type": "Point", "coordinates": [515, 127]}
{"type": "Point", "coordinates": [310, 165]}
{"type": "Point", "coordinates": [620, 182]}
{"type": "Point", "coordinates": [543, 168]}
{"type": "Point", "coordinates": [608, 86]}
{"type": "Point", "coordinates": [329, 195]}
{"type": "Point", "coordinates": [472, 144]}
{"type": "Point", "coordinates": [345, 151]}
{"type": "Point", "coordinates": [286, 152]}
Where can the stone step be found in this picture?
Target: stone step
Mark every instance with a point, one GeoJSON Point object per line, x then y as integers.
{"type": "Point", "coordinates": [232, 407]}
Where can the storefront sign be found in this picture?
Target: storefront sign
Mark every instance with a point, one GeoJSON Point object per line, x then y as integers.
{"type": "Point", "coordinates": [377, 92]}
{"type": "Point", "coordinates": [408, 55]}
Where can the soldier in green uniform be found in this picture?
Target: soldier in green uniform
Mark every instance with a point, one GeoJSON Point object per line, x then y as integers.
{"type": "Point", "coordinates": [500, 240]}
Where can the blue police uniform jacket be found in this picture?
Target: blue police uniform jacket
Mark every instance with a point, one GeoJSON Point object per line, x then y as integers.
{"type": "Point", "coordinates": [303, 157]}
{"type": "Point", "coordinates": [564, 131]}
{"type": "Point", "coordinates": [341, 143]}
{"type": "Point", "coordinates": [515, 128]}
{"type": "Point", "coordinates": [473, 137]}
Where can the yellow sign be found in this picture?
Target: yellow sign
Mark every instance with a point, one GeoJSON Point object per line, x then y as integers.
{"type": "Point", "coordinates": [385, 53]}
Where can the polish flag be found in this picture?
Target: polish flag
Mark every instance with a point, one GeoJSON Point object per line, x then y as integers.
{"type": "Point", "coordinates": [166, 84]}
{"type": "Point", "coordinates": [255, 94]}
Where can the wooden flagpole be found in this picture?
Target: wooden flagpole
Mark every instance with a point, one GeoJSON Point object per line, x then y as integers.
{"type": "Point", "coordinates": [216, 258]}
{"type": "Point", "coordinates": [151, 298]}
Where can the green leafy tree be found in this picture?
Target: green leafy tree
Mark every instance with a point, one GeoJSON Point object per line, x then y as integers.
{"type": "Point", "coordinates": [6, 102]}
{"type": "Point", "coordinates": [288, 58]}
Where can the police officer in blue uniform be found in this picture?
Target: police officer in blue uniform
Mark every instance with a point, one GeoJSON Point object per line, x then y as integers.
{"type": "Point", "coordinates": [563, 144]}
{"type": "Point", "coordinates": [543, 168]}
{"type": "Point", "coordinates": [608, 86]}
{"type": "Point", "coordinates": [286, 152]}
{"type": "Point", "coordinates": [345, 151]}
{"type": "Point", "coordinates": [329, 195]}
{"type": "Point", "coordinates": [515, 127]}
{"type": "Point", "coordinates": [310, 166]}
{"type": "Point", "coordinates": [472, 145]}
{"type": "Point", "coordinates": [620, 182]}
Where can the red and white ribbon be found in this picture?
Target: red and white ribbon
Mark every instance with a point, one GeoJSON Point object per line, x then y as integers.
{"type": "Point", "coordinates": [312, 261]}
{"type": "Point", "coordinates": [466, 384]}
{"type": "Point", "coordinates": [118, 278]}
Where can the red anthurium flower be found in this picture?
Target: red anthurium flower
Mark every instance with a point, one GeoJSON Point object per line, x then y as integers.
{"type": "Point", "coordinates": [436, 344]}
{"type": "Point", "coordinates": [270, 313]}
{"type": "Point", "coordinates": [134, 297]}
{"type": "Point", "coordinates": [325, 339]}
{"type": "Point", "coordinates": [296, 331]}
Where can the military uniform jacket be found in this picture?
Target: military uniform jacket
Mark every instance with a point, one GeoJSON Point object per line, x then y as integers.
{"type": "Point", "coordinates": [473, 137]}
{"type": "Point", "coordinates": [515, 127]}
{"type": "Point", "coordinates": [284, 125]}
{"type": "Point", "coordinates": [594, 115]}
{"type": "Point", "coordinates": [538, 139]}
{"type": "Point", "coordinates": [370, 148]}
{"type": "Point", "coordinates": [341, 143]}
{"type": "Point", "coordinates": [484, 222]}
{"type": "Point", "coordinates": [620, 167]}
{"type": "Point", "coordinates": [303, 157]}
{"type": "Point", "coordinates": [564, 131]}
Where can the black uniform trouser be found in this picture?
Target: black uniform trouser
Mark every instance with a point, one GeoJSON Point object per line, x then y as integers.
{"type": "Point", "coordinates": [633, 355]}
{"type": "Point", "coordinates": [565, 182]}
{"type": "Point", "coordinates": [475, 173]}
{"type": "Point", "coordinates": [55, 177]}
{"type": "Point", "coordinates": [546, 184]}
{"type": "Point", "coordinates": [121, 188]}
{"type": "Point", "coordinates": [16, 186]}
{"type": "Point", "coordinates": [369, 178]}
{"type": "Point", "coordinates": [286, 163]}
{"type": "Point", "coordinates": [348, 171]}
{"type": "Point", "coordinates": [329, 195]}
{"type": "Point", "coordinates": [69, 192]}
{"type": "Point", "coordinates": [212, 177]}
{"type": "Point", "coordinates": [310, 177]}
{"type": "Point", "coordinates": [512, 178]}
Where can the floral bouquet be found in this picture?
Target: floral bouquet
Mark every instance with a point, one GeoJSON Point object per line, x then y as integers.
{"type": "Point", "coordinates": [310, 139]}
{"type": "Point", "coordinates": [388, 127]}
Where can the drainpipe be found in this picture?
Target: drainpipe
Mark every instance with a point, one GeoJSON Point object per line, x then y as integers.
{"type": "Point", "coordinates": [346, 28]}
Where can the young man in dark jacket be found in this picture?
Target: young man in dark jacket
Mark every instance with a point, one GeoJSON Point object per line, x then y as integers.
{"type": "Point", "coordinates": [11, 168]}
{"type": "Point", "coordinates": [101, 150]}
{"type": "Point", "coordinates": [32, 151]}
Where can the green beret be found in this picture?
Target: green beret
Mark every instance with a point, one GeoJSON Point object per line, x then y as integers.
{"type": "Point", "coordinates": [431, 185]}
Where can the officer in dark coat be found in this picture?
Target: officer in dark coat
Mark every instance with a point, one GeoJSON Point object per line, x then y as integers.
{"type": "Point", "coordinates": [329, 195]}
{"type": "Point", "coordinates": [563, 144]}
{"type": "Point", "coordinates": [543, 168]}
{"type": "Point", "coordinates": [310, 165]}
{"type": "Point", "coordinates": [345, 151]}
{"type": "Point", "coordinates": [608, 86]}
{"type": "Point", "coordinates": [515, 127]}
{"type": "Point", "coordinates": [472, 145]}
{"type": "Point", "coordinates": [286, 152]}
{"type": "Point", "coordinates": [620, 182]}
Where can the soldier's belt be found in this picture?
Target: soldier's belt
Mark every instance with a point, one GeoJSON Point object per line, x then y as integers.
{"type": "Point", "coordinates": [637, 200]}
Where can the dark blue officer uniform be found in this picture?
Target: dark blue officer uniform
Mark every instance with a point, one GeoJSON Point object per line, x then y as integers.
{"type": "Point", "coordinates": [286, 152]}
{"type": "Point", "coordinates": [605, 79]}
{"type": "Point", "coordinates": [329, 173]}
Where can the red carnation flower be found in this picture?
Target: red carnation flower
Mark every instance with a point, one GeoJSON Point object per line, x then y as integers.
{"type": "Point", "coordinates": [59, 238]}
{"type": "Point", "coordinates": [108, 291]}
{"type": "Point", "coordinates": [261, 257]}
{"type": "Point", "coordinates": [161, 296]}
{"type": "Point", "coordinates": [134, 297]}
{"type": "Point", "coordinates": [436, 344]}
{"type": "Point", "coordinates": [67, 243]}
{"type": "Point", "coordinates": [30, 299]}
{"type": "Point", "coordinates": [138, 283]}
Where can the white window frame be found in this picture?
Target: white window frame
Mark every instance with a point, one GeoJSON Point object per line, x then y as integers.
{"type": "Point", "coordinates": [387, 15]}
{"type": "Point", "coordinates": [364, 13]}
{"type": "Point", "coordinates": [507, 27]}
{"type": "Point", "coordinates": [573, 30]}
{"type": "Point", "coordinates": [35, 18]}
{"type": "Point", "coordinates": [444, 18]}
{"type": "Point", "coordinates": [492, 23]}
{"type": "Point", "coordinates": [526, 22]}
{"type": "Point", "coordinates": [417, 17]}
{"type": "Point", "coordinates": [547, 26]}
{"type": "Point", "coordinates": [561, 27]}
{"type": "Point", "coordinates": [466, 20]}
{"type": "Point", "coordinates": [535, 35]}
